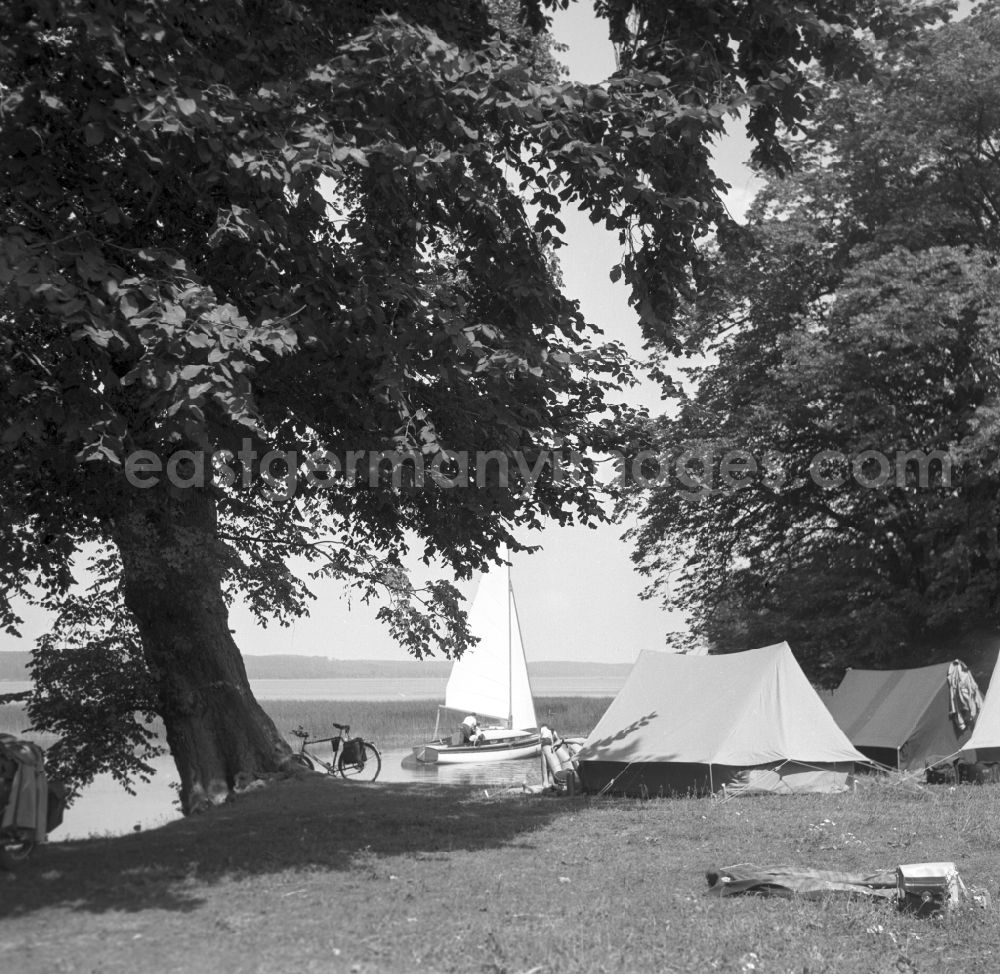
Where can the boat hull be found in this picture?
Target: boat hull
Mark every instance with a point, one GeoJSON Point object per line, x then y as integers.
{"type": "Point", "coordinates": [509, 749]}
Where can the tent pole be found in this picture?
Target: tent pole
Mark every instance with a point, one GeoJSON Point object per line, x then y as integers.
{"type": "Point", "coordinates": [711, 783]}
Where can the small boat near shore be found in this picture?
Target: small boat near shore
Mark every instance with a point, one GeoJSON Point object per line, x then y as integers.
{"type": "Point", "coordinates": [491, 681]}
{"type": "Point", "coordinates": [505, 748]}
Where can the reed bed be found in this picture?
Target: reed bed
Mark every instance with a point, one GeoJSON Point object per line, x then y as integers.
{"type": "Point", "coordinates": [14, 720]}
{"type": "Point", "coordinates": [389, 723]}
{"type": "Point", "coordinates": [402, 723]}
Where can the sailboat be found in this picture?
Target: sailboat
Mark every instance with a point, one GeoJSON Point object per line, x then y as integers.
{"type": "Point", "coordinates": [490, 681]}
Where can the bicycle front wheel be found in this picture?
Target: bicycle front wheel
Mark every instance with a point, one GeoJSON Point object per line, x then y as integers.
{"type": "Point", "coordinates": [365, 769]}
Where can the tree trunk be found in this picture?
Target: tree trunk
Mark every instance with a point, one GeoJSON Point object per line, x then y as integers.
{"type": "Point", "coordinates": [216, 731]}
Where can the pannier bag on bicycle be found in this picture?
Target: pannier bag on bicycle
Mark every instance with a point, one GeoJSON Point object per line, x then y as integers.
{"type": "Point", "coordinates": [353, 751]}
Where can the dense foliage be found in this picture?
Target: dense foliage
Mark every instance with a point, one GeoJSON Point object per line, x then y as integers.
{"type": "Point", "coordinates": [851, 379]}
{"type": "Point", "coordinates": [251, 231]}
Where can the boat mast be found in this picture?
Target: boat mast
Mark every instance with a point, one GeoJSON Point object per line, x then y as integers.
{"type": "Point", "coordinates": [510, 654]}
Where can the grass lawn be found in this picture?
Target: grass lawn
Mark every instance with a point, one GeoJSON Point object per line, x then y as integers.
{"type": "Point", "coordinates": [312, 874]}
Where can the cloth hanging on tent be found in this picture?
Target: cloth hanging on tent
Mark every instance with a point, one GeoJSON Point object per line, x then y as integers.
{"type": "Point", "coordinates": [966, 700]}
{"type": "Point", "coordinates": [746, 877]}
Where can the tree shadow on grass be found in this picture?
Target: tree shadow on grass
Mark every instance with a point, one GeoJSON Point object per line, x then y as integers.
{"type": "Point", "coordinates": [302, 824]}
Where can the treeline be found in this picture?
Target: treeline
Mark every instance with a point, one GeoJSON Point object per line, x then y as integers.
{"type": "Point", "coordinates": [834, 473]}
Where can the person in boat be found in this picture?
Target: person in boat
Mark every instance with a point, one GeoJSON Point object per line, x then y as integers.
{"type": "Point", "coordinates": [550, 740]}
{"type": "Point", "coordinates": [471, 734]}
{"type": "Point", "coordinates": [548, 735]}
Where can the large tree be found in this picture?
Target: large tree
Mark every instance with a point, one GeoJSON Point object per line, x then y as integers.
{"type": "Point", "coordinates": [275, 228]}
{"type": "Point", "coordinates": [852, 379]}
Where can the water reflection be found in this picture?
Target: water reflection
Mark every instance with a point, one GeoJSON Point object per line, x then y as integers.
{"type": "Point", "coordinates": [105, 808]}
{"type": "Point", "coordinates": [403, 766]}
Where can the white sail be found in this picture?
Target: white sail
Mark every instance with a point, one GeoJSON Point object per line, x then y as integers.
{"type": "Point", "coordinates": [491, 678]}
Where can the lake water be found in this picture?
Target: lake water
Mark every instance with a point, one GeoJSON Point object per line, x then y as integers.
{"type": "Point", "coordinates": [105, 808]}
{"type": "Point", "coordinates": [429, 688]}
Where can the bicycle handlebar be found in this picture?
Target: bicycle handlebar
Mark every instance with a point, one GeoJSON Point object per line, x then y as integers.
{"type": "Point", "coordinates": [300, 731]}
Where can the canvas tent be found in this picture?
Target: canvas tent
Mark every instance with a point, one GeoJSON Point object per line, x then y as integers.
{"type": "Point", "coordinates": [695, 724]}
{"type": "Point", "coordinates": [984, 744]}
{"type": "Point", "coordinates": [907, 719]}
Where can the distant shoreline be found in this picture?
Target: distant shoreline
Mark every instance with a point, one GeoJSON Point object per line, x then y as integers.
{"type": "Point", "coordinates": [13, 668]}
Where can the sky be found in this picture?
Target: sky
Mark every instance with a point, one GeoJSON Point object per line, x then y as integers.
{"type": "Point", "coordinates": [578, 597]}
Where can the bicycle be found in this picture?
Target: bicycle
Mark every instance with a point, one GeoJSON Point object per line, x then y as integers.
{"type": "Point", "coordinates": [353, 758]}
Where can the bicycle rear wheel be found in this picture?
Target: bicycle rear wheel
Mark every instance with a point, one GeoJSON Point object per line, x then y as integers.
{"type": "Point", "coordinates": [366, 769]}
{"type": "Point", "coordinates": [13, 855]}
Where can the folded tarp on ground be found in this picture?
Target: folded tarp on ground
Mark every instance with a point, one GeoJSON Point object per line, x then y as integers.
{"type": "Point", "coordinates": [746, 877]}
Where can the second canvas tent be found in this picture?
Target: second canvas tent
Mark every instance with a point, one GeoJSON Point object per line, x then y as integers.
{"type": "Point", "coordinates": [907, 719]}
{"type": "Point", "coordinates": [695, 724]}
